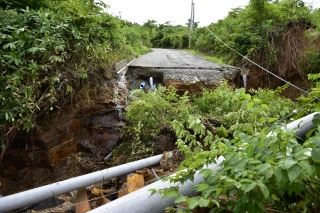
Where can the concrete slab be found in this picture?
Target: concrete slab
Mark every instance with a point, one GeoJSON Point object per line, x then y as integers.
{"type": "Point", "coordinates": [181, 69]}
{"type": "Point", "coordinates": [169, 58]}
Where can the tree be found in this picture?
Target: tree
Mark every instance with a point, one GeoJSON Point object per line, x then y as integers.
{"type": "Point", "coordinates": [23, 4]}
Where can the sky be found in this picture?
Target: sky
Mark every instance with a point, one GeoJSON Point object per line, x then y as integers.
{"type": "Point", "coordinates": [177, 11]}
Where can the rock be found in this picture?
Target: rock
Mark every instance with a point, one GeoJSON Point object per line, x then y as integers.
{"type": "Point", "coordinates": [100, 133]}
{"type": "Point", "coordinates": [165, 140]}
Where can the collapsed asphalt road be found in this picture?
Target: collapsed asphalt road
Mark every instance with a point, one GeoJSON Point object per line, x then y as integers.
{"type": "Point", "coordinates": [180, 69]}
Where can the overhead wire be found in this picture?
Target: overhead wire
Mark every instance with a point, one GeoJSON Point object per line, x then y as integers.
{"type": "Point", "coordinates": [256, 63]}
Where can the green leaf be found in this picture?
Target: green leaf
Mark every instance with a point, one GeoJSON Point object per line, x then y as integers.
{"type": "Point", "coordinates": [250, 105]}
{"type": "Point", "coordinates": [237, 184]}
{"type": "Point", "coordinates": [205, 172]}
{"type": "Point", "coordinates": [265, 106]}
{"type": "Point", "coordinates": [203, 202]}
{"type": "Point", "coordinates": [263, 167]}
{"type": "Point", "coordinates": [289, 163]}
{"type": "Point", "coordinates": [170, 192]}
{"type": "Point", "coordinates": [202, 186]}
{"type": "Point", "coordinates": [316, 140]}
{"type": "Point", "coordinates": [294, 172]}
{"type": "Point", "coordinates": [275, 197]}
{"type": "Point", "coordinates": [181, 199]}
{"type": "Point", "coordinates": [297, 187]}
{"type": "Point", "coordinates": [215, 202]}
{"type": "Point", "coordinates": [27, 126]}
{"type": "Point", "coordinates": [245, 96]}
{"type": "Point", "coordinates": [153, 191]}
{"type": "Point", "coordinates": [249, 187]}
{"type": "Point", "coordinates": [254, 161]}
{"type": "Point", "coordinates": [219, 191]}
{"type": "Point", "coordinates": [271, 120]}
{"type": "Point", "coordinates": [307, 167]}
{"type": "Point", "coordinates": [251, 207]}
{"type": "Point", "coordinates": [36, 49]}
{"type": "Point", "coordinates": [11, 45]}
{"type": "Point", "coordinates": [315, 153]}
{"type": "Point", "coordinates": [261, 206]}
{"type": "Point", "coordinates": [316, 120]}
{"type": "Point", "coordinates": [193, 202]}
{"type": "Point", "coordinates": [263, 189]}
{"type": "Point", "coordinates": [249, 151]}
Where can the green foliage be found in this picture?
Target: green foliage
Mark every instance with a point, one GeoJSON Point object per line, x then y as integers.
{"type": "Point", "coordinates": [148, 112]}
{"type": "Point", "coordinates": [239, 111]}
{"type": "Point", "coordinates": [311, 102]}
{"type": "Point", "coordinates": [257, 171]}
{"type": "Point", "coordinates": [313, 61]}
{"type": "Point", "coordinates": [135, 40]}
{"type": "Point", "coordinates": [45, 51]}
{"type": "Point", "coordinates": [247, 29]}
{"type": "Point", "coordinates": [23, 4]}
{"type": "Point", "coordinates": [168, 36]}
{"type": "Point", "coordinates": [206, 57]}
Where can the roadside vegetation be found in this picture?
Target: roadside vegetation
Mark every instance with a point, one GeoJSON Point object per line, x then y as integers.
{"type": "Point", "coordinates": [262, 172]}
{"type": "Point", "coordinates": [48, 47]}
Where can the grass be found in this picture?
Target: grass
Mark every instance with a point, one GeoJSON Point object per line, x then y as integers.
{"type": "Point", "coordinates": [207, 57]}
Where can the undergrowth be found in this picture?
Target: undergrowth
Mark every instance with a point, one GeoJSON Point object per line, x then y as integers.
{"type": "Point", "coordinates": [46, 52]}
{"type": "Point", "coordinates": [264, 167]}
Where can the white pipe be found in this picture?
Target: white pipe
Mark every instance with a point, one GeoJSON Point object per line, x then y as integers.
{"type": "Point", "coordinates": [244, 77]}
{"type": "Point", "coordinates": [22, 199]}
{"type": "Point", "coordinates": [151, 83]}
{"type": "Point", "coordinates": [29, 197]}
{"type": "Point", "coordinates": [140, 201]}
{"type": "Point", "coordinates": [304, 124]}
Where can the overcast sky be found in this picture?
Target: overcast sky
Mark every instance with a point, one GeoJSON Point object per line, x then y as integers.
{"type": "Point", "coordinates": [177, 11]}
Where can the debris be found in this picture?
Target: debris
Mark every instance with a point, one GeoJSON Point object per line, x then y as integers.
{"type": "Point", "coordinates": [123, 190]}
{"type": "Point", "coordinates": [82, 203]}
{"type": "Point", "coordinates": [159, 171]}
{"type": "Point", "coordinates": [144, 172]}
{"type": "Point", "coordinates": [102, 199]}
{"type": "Point", "coordinates": [95, 192]}
{"type": "Point", "coordinates": [134, 182]}
{"type": "Point", "coordinates": [149, 177]}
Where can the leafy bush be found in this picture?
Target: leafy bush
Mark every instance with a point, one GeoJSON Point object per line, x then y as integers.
{"type": "Point", "coordinates": [45, 52]}
{"type": "Point", "coordinates": [259, 172]}
{"type": "Point", "coordinates": [309, 103]}
{"type": "Point", "coordinates": [168, 36]}
{"type": "Point", "coordinates": [238, 111]}
{"type": "Point", "coordinates": [154, 109]}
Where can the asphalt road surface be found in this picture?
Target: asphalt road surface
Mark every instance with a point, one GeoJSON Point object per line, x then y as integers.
{"type": "Point", "coordinates": [169, 58]}
{"type": "Point", "coordinates": [178, 67]}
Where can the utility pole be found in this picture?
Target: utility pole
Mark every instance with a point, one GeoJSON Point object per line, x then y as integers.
{"type": "Point", "coordinates": [120, 14]}
{"type": "Point", "coordinates": [191, 23]}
